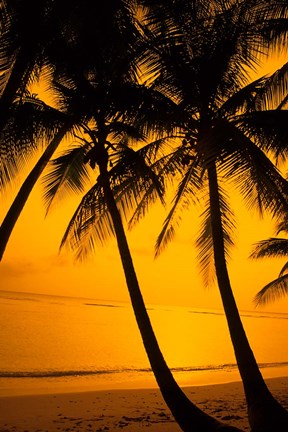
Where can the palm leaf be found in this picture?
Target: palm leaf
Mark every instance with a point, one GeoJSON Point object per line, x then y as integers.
{"type": "Point", "coordinates": [274, 290]}
{"type": "Point", "coordinates": [134, 182]}
{"type": "Point", "coordinates": [204, 244]}
{"type": "Point", "coordinates": [272, 247]}
{"type": "Point", "coordinates": [68, 173]}
{"type": "Point", "coordinates": [243, 99]}
{"type": "Point", "coordinates": [268, 129]}
{"type": "Point", "coordinates": [273, 91]}
{"type": "Point", "coordinates": [91, 224]}
{"type": "Point", "coordinates": [186, 194]}
{"type": "Point", "coordinates": [284, 269]}
{"type": "Point", "coordinates": [31, 124]}
{"type": "Point", "coordinates": [168, 164]}
{"type": "Point", "coordinates": [204, 241]}
{"type": "Point", "coordinates": [282, 225]}
{"type": "Point", "coordinates": [253, 173]}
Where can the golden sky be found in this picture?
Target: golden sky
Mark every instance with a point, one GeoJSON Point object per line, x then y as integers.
{"type": "Point", "coordinates": [32, 263]}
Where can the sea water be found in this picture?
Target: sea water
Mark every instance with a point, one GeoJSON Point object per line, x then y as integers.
{"type": "Point", "coordinates": [53, 343]}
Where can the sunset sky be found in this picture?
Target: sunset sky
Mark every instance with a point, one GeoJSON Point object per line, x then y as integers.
{"type": "Point", "coordinates": [32, 263]}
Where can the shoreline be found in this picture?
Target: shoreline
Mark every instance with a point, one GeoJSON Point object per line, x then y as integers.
{"type": "Point", "coordinates": [27, 385]}
{"type": "Point", "coordinates": [129, 409]}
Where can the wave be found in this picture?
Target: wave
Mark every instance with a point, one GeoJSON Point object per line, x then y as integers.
{"type": "Point", "coordinates": [78, 373]}
{"type": "Point", "coordinates": [102, 305]}
{"type": "Point", "coordinates": [246, 314]}
{"type": "Point", "coordinates": [92, 302]}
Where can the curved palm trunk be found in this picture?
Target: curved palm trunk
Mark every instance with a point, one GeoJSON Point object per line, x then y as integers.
{"type": "Point", "coordinates": [17, 206]}
{"type": "Point", "coordinates": [265, 413]}
{"type": "Point", "coordinates": [189, 417]}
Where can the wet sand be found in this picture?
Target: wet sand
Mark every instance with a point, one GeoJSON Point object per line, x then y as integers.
{"type": "Point", "coordinates": [130, 410]}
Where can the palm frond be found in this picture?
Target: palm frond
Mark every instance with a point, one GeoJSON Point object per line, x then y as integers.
{"type": "Point", "coordinates": [157, 148]}
{"type": "Point", "coordinates": [259, 181]}
{"type": "Point", "coordinates": [68, 173]}
{"type": "Point", "coordinates": [8, 169]}
{"type": "Point", "coordinates": [228, 221]}
{"type": "Point", "coordinates": [273, 291]}
{"type": "Point", "coordinates": [267, 129]}
{"type": "Point", "coordinates": [118, 128]}
{"type": "Point", "coordinates": [274, 25]}
{"type": "Point", "coordinates": [243, 99]}
{"type": "Point", "coordinates": [186, 194]}
{"type": "Point", "coordinates": [147, 189]}
{"type": "Point", "coordinates": [30, 125]}
{"type": "Point", "coordinates": [272, 247]}
{"type": "Point", "coordinates": [282, 226]}
{"type": "Point", "coordinates": [204, 242]}
{"type": "Point", "coordinates": [273, 92]}
{"type": "Point", "coordinates": [284, 269]}
{"type": "Point", "coordinates": [91, 224]}
{"type": "Point", "coordinates": [134, 197]}
{"type": "Point", "coordinates": [134, 182]}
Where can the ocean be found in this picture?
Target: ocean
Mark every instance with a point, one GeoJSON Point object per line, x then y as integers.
{"type": "Point", "coordinates": [53, 343]}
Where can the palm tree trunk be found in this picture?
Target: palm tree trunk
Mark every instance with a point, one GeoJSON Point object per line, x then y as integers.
{"type": "Point", "coordinates": [265, 413]}
{"type": "Point", "coordinates": [18, 204]}
{"type": "Point", "coordinates": [189, 417]}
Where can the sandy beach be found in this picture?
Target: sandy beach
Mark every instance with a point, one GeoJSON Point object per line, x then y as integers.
{"type": "Point", "coordinates": [130, 410]}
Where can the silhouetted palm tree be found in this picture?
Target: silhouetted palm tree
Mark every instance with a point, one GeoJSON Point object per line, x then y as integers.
{"type": "Point", "coordinates": [200, 54]}
{"type": "Point", "coordinates": [62, 39]}
{"type": "Point", "coordinates": [104, 147]}
{"type": "Point", "coordinates": [273, 247]}
{"type": "Point", "coordinates": [105, 106]}
{"type": "Point", "coordinates": [51, 123]}
{"type": "Point", "coordinates": [51, 39]}
{"type": "Point", "coordinates": [100, 159]}
{"type": "Point", "coordinates": [26, 39]}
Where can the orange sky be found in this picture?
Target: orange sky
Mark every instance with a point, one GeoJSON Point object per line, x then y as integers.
{"type": "Point", "coordinates": [31, 262]}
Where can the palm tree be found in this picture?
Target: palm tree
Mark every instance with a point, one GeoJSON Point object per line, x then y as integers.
{"type": "Point", "coordinates": [25, 42]}
{"type": "Point", "coordinates": [200, 54]}
{"type": "Point", "coordinates": [106, 150]}
{"type": "Point", "coordinates": [273, 247]}
{"type": "Point", "coordinates": [100, 106]}
{"type": "Point", "coordinates": [53, 50]}
{"type": "Point", "coordinates": [48, 125]}
{"type": "Point", "coordinates": [54, 37]}
{"type": "Point", "coordinates": [182, 409]}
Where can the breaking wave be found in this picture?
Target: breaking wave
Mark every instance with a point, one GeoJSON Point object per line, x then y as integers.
{"type": "Point", "coordinates": [74, 373]}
